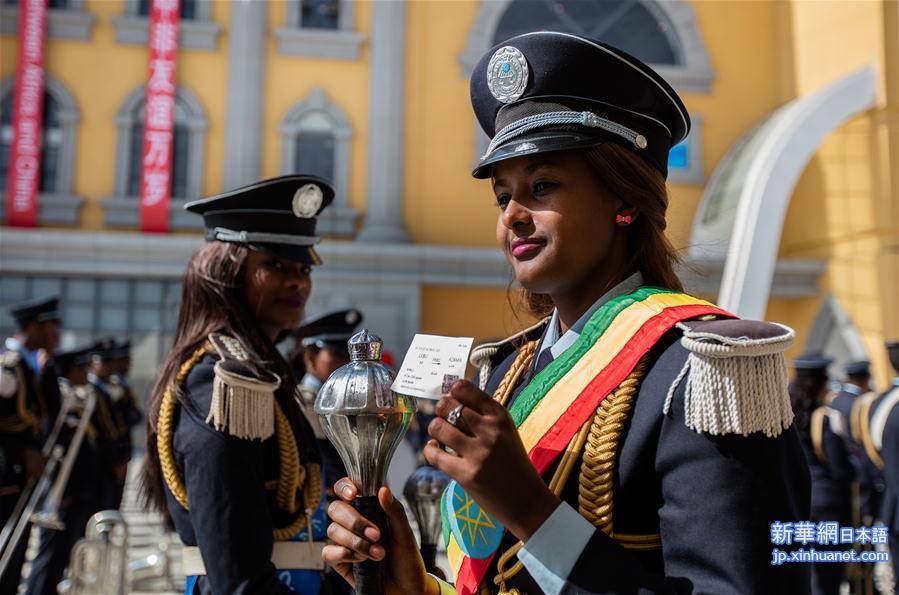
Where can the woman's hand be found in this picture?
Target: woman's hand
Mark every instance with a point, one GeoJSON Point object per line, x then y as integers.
{"type": "Point", "coordinates": [356, 539]}
{"type": "Point", "coordinates": [490, 462]}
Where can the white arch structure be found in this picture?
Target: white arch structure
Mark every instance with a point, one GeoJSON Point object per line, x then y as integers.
{"type": "Point", "coordinates": [744, 206]}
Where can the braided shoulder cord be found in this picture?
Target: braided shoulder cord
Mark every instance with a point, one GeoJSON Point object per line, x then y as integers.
{"type": "Point", "coordinates": [601, 435]}
{"type": "Point", "coordinates": [598, 466]}
{"type": "Point", "coordinates": [291, 474]}
{"type": "Point", "coordinates": [165, 430]}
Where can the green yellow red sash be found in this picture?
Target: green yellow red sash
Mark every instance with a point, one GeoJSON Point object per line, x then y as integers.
{"type": "Point", "coordinates": [564, 395]}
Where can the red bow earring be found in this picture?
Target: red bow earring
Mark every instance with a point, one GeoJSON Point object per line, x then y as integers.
{"type": "Point", "coordinates": [623, 220]}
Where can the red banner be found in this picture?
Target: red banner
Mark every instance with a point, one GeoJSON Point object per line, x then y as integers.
{"type": "Point", "coordinates": [24, 173]}
{"type": "Point", "coordinates": [159, 117]}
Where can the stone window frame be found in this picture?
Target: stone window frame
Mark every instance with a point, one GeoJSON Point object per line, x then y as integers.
{"type": "Point", "coordinates": [72, 22]}
{"type": "Point", "coordinates": [694, 76]}
{"type": "Point", "coordinates": [62, 206]}
{"type": "Point", "coordinates": [198, 33]}
{"type": "Point", "coordinates": [342, 43]}
{"type": "Point", "coordinates": [340, 218]}
{"type": "Point", "coordinates": [122, 210]}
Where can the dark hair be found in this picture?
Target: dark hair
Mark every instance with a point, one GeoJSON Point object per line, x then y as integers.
{"type": "Point", "coordinates": [804, 391]}
{"type": "Point", "coordinates": [212, 300]}
{"type": "Point", "coordinates": [634, 181]}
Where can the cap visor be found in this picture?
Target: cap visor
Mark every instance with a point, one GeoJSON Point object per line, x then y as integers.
{"type": "Point", "coordinates": [544, 141]}
{"type": "Point", "coordinates": [303, 254]}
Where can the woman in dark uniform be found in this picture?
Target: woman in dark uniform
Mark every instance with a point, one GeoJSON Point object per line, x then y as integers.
{"type": "Point", "coordinates": [829, 464]}
{"type": "Point", "coordinates": [231, 458]}
{"type": "Point", "coordinates": [654, 446]}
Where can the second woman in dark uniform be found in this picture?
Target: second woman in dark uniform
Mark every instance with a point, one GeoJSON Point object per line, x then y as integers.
{"type": "Point", "coordinates": [231, 457]}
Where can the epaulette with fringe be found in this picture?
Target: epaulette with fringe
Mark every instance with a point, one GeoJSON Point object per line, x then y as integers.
{"type": "Point", "coordinates": [487, 356]}
{"type": "Point", "coordinates": [736, 377]}
{"type": "Point", "coordinates": [243, 397]}
{"type": "Point", "coordinates": [9, 383]}
{"type": "Point", "coordinates": [10, 358]}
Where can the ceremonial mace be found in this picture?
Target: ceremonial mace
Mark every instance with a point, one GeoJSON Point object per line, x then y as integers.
{"type": "Point", "coordinates": [423, 491]}
{"type": "Point", "coordinates": [365, 421]}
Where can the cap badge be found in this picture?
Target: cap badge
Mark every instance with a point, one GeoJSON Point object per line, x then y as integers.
{"type": "Point", "coordinates": [306, 201]}
{"type": "Point", "coordinates": [351, 317]}
{"type": "Point", "coordinates": [507, 74]}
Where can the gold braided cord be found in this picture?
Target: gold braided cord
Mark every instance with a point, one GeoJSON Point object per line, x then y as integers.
{"type": "Point", "coordinates": [292, 475]}
{"type": "Point", "coordinates": [600, 436]}
{"type": "Point", "coordinates": [516, 370]}
{"type": "Point", "coordinates": [165, 429]}
{"type": "Point", "coordinates": [865, 431]}
{"type": "Point", "coordinates": [597, 468]}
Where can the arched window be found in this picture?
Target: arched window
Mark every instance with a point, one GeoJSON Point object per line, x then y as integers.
{"type": "Point", "coordinates": [60, 122]}
{"type": "Point", "coordinates": [188, 158]}
{"type": "Point", "coordinates": [180, 155]}
{"type": "Point", "coordinates": [315, 139]}
{"type": "Point", "coordinates": [626, 24]}
{"type": "Point", "coordinates": [51, 139]}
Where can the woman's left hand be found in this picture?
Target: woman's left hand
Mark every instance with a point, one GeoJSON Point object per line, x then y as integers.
{"type": "Point", "coordinates": [490, 462]}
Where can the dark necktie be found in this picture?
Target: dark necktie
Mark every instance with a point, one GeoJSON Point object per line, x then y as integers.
{"type": "Point", "coordinates": [543, 360]}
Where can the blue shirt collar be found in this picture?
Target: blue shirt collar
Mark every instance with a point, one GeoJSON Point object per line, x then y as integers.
{"type": "Point", "coordinates": [557, 342]}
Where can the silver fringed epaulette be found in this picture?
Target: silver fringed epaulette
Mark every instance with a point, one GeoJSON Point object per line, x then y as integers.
{"type": "Point", "coordinates": [736, 377]}
{"type": "Point", "coordinates": [243, 403]}
{"type": "Point", "coordinates": [9, 383]}
{"type": "Point", "coordinates": [482, 356]}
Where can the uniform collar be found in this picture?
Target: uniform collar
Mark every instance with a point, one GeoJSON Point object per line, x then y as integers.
{"type": "Point", "coordinates": [30, 357]}
{"type": "Point", "coordinates": [558, 343]}
{"type": "Point", "coordinates": [851, 389]}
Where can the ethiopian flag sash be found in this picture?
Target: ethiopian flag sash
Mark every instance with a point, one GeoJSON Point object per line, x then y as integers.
{"type": "Point", "coordinates": [559, 400]}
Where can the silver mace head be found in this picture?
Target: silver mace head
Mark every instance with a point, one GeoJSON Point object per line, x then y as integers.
{"type": "Point", "coordinates": [361, 416]}
{"type": "Point", "coordinates": [423, 491]}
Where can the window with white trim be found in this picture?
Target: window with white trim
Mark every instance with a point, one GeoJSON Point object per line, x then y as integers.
{"type": "Point", "coordinates": [315, 139]}
{"type": "Point", "coordinates": [319, 29]}
{"type": "Point", "coordinates": [66, 19]}
{"type": "Point", "coordinates": [196, 29]}
{"type": "Point", "coordinates": [188, 159]}
{"type": "Point", "coordinates": [59, 129]}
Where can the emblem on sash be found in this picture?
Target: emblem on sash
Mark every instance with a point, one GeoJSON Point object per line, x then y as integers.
{"type": "Point", "coordinates": [507, 74]}
{"type": "Point", "coordinates": [474, 531]}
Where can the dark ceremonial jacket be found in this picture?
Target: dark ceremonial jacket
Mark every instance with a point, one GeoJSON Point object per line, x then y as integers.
{"type": "Point", "coordinates": [831, 468]}
{"type": "Point", "coordinates": [231, 486]}
{"type": "Point", "coordinates": [712, 499]}
{"type": "Point", "coordinates": [889, 456]}
{"type": "Point", "coordinates": [21, 390]}
{"type": "Point", "coordinates": [129, 413]}
{"type": "Point", "coordinates": [110, 423]}
{"type": "Point", "coordinates": [868, 476]}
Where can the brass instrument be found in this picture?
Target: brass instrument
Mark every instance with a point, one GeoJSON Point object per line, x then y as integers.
{"type": "Point", "coordinates": [99, 561]}
{"type": "Point", "coordinates": [46, 493]}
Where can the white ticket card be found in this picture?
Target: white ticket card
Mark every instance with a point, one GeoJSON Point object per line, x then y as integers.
{"type": "Point", "coordinates": [432, 364]}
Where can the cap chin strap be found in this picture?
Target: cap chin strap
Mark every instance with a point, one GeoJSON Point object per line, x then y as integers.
{"type": "Point", "coordinates": [587, 119]}
{"type": "Point", "coordinates": [257, 237]}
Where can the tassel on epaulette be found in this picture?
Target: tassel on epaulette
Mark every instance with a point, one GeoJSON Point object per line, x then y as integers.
{"type": "Point", "coordinates": [736, 377]}
{"type": "Point", "coordinates": [242, 405]}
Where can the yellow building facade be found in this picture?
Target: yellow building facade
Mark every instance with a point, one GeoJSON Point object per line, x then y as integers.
{"type": "Point", "coordinates": [783, 199]}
